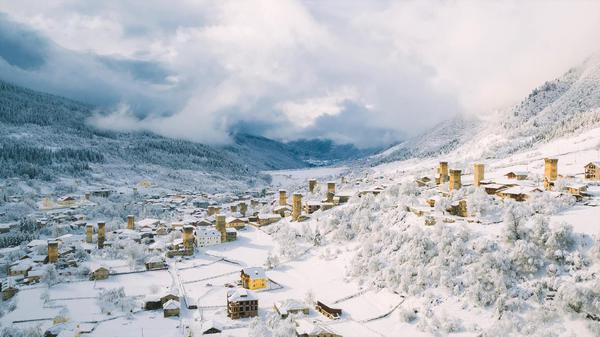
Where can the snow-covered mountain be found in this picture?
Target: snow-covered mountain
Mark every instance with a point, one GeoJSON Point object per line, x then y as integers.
{"type": "Point", "coordinates": [559, 107]}
{"type": "Point", "coordinates": [45, 136]}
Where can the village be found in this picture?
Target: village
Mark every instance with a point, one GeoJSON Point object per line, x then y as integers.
{"type": "Point", "coordinates": [212, 266]}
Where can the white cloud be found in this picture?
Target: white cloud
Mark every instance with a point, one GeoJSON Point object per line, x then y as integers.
{"type": "Point", "coordinates": [291, 66]}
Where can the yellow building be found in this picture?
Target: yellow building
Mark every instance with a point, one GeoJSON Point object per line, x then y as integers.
{"type": "Point", "coordinates": [254, 278]}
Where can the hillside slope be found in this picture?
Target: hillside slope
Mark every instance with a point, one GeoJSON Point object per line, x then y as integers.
{"type": "Point", "coordinates": [559, 107]}
{"type": "Point", "coordinates": [44, 137]}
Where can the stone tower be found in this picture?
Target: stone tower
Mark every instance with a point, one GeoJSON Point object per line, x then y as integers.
{"type": "Point", "coordinates": [188, 239]}
{"type": "Point", "coordinates": [455, 183]}
{"type": "Point", "coordinates": [52, 251]}
{"type": "Point", "coordinates": [296, 206]}
{"type": "Point", "coordinates": [312, 184]}
{"type": "Point", "coordinates": [282, 197]}
{"type": "Point", "coordinates": [89, 233]}
{"type": "Point", "coordinates": [443, 172]}
{"type": "Point", "coordinates": [220, 225]}
{"type": "Point", "coordinates": [478, 174]}
{"type": "Point", "coordinates": [130, 222]}
{"type": "Point", "coordinates": [243, 208]}
{"type": "Point", "coordinates": [101, 234]}
{"type": "Point", "coordinates": [550, 169]}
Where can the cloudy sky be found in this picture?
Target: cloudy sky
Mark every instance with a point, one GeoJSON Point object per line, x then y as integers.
{"type": "Point", "coordinates": [363, 72]}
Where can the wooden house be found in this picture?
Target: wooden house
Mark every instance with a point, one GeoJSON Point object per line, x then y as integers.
{"type": "Point", "coordinates": [171, 308]}
{"type": "Point", "coordinates": [518, 175]}
{"type": "Point", "coordinates": [8, 288]}
{"type": "Point", "coordinates": [290, 306]}
{"type": "Point", "coordinates": [254, 278]}
{"type": "Point", "coordinates": [306, 328]}
{"type": "Point", "coordinates": [327, 311]}
{"type": "Point", "coordinates": [237, 223]}
{"type": "Point", "coordinates": [493, 189]}
{"type": "Point", "coordinates": [518, 193]}
{"type": "Point", "coordinates": [241, 303]}
{"type": "Point", "coordinates": [154, 263]}
{"type": "Point", "coordinates": [231, 234]}
{"type": "Point", "coordinates": [592, 170]}
{"type": "Point", "coordinates": [311, 207]}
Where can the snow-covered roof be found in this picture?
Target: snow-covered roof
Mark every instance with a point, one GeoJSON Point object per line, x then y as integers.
{"type": "Point", "coordinates": [147, 222]}
{"type": "Point", "coordinates": [255, 272]}
{"type": "Point", "coordinates": [289, 305]}
{"type": "Point", "coordinates": [518, 173]}
{"type": "Point", "coordinates": [171, 304]}
{"type": "Point", "coordinates": [306, 327]}
{"type": "Point", "coordinates": [241, 295]}
{"type": "Point", "coordinates": [208, 232]}
{"type": "Point", "coordinates": [520, 190]}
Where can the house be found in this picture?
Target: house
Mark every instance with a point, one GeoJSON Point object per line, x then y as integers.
{"type": "Point", "coordinates": [327, 311]}
{"type": "Point", "coordinates": [576, 189]}
{"type": "Point", "coordinates": [283, 211]}
{"type": "Point", "coordinates": [20, 267]}
{"type": "Point", "coordinates": [171, 308]}
{"type": "Point", "coordinates": [433, 200]}
{"type": "Point", "coordinates": [8, 288]}
{"type": "Point", "coordinates": [67, 200]}
{"type": "Point", "coordinates": [231, 234]}
{"type": "Point", "coordinates": [423, 181]}
{"type": "Point", "coordinates": [241, 303]}
{"type": "Point", "coordinates": [458, 208]}
{"type": "Point", "coordinates": [211, 327]}
{"type": "Point", "coordinates": [34, 275]}
{"type": "Point", "coordinates": [207, 236]}
{"type": "Point", "coordinates": [311, 206]}
{"type": "Point", "coordinates": [518, 193]}
{"type": "Point", "coordinates": [154, 263]}
{"type": "Point", "coordinates": [290, 306]}
{"type": "Point", "coordinates": [306, 328]}
{"type": "Point", "coordinates": [152, 302]}
{"type": "Point", "coordinates": [254, 278]}
{"type": "Point", "coordinates": [171, 295]}
{"type": "Point", "coordinates": [518, 175]}
{"type": "Point", "coordinates": [493, 189]}
{"type": "Point", "coordinates": [100, 273]}
{"type": "Point", "coordinates": [592, 170]}
{"type": "Point", "coordinates": [237, 223]}
{"type": "Point", "coordinates": [264, 219]}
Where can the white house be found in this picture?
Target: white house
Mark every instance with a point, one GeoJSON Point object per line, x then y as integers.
{"type": "Point", "coordinates": [207, 236]}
